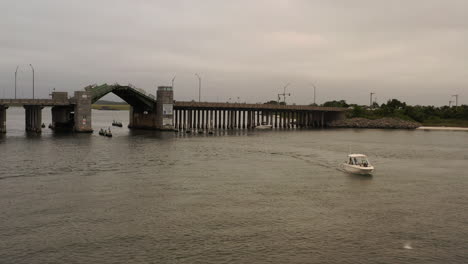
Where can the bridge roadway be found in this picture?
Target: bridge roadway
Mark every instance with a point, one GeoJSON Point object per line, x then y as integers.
{"type": "Point", "coordinates": [35, 102]}
{"type": "Point", "coordinates": [204, 115]}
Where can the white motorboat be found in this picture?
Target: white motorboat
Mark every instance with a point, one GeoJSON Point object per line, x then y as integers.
{"type": "Point", "coordinates": [358, 164]}
{"type": "Point", "coordinates": [264, 125]}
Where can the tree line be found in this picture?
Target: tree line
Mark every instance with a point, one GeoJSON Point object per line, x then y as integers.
{"type": "Point", "coordinates": [395, 108]}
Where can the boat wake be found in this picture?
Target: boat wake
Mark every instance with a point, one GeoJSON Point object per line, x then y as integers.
{"type": "Point", "coordinates": [407, 245]}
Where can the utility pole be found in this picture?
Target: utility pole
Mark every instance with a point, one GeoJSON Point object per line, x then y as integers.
{"type": "Point", "coordinates": [284, 94]}
{"type": "Point", "coordinates": [450, 103]}
{"type": "Point", "coordinates": [456, 99]}
{"type": "Point", "coordinates": [315, 103]}
{"type": "Point", "coordinates": [32, 68]}
{"type": "Point", "coordinates": [16, 73]}
{"type": "Point", "coordinates": [371, 94]}
{"type": "Point", "coordinates": [199, 87]}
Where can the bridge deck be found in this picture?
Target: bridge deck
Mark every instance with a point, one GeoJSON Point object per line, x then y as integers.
{"type": "Point", "coordinates": [240, 106]}
{"type": "Point", "coordinates": [40, 102]}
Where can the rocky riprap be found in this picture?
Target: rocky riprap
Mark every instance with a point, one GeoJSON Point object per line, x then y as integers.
{"type": "Point", "coordinates": [394, 123]}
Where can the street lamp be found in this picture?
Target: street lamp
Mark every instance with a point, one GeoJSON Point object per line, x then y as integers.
{"type": "Point", "coordinates": [16, 73]}
{"type": "Point", "coordinates": [32, 68]}
{"type": "Point", "coordinates": [199, 87]}
{"type": "Point", "coordinates": [173, 81]}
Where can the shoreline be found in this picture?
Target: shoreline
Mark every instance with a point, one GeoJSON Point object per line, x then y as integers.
{"type": "Point", "coordinates": [382, 123]}
{"type": "Point", "coordinates": [442, 128]}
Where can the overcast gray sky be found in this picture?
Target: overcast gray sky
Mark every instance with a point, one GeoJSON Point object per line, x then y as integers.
{"type": "Point", "coordinates": [413, 50]}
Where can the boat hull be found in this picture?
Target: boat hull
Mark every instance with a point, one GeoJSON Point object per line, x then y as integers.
{"type": "Point", "coordinates": [358, 169]}
{"type": "Point", "coordinates": [264, 127]}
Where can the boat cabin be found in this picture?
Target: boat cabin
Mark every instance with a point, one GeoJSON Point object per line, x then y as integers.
{"type": "Point", "coordinates": [358, 160]}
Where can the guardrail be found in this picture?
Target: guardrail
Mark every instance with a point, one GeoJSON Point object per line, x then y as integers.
{"type": "Point", "coordinates": [207, 105]}
{"type": "Point", "coordinates": [42, 102]}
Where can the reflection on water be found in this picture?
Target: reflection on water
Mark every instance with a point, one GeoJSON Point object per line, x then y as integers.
{"type": "Point", "coordinates": [235, 196]}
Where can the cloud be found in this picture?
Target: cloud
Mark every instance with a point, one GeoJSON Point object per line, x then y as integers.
{"type": "Point", "coordinates": [242, 48]}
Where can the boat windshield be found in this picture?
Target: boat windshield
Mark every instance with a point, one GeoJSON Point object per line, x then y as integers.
{"type": "Point", "coordinates": [359, 161]}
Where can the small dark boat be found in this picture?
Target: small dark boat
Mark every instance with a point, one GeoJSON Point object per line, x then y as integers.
{"type": "Point", "coordinates": [108, 133]}
{"type": "Point", "coordinates": [188, 131]}
{"type": "Point", "coordinates": [102, 132]}
{"type": "Point", "coordinates": [200, 131]}
{"type": "Point", "coordinates": [43, 125]}
{"type": "Point", "coordinates": [117, 124]}
{"type": "Point", "coordinates": [51, 126]}
{"type": "Point", "coordinates": [210, 132]}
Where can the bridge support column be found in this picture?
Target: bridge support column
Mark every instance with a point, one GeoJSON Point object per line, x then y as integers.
{"type": "Point", "coordinates": [33, 118]}
{"type": "Point", "coordinates": [204, 119]}
{"type": "Point", "coordinates": [302, 117]}
{"type": "Point", "coordinates": [3, 109]}
{"type": "Point", "coordinates": [215, 119]}
{"type": "Point", "coordinates": [236, 118]}
{"type": "Point", "coordinates": [61, 118]}
{"type": "Point", "coordinates": [276, 119]}
{"type": "Point", "coordinates": [83, 112]}
{"type": "Point", "coordinates": [233, 119]}
{"type": "Point", "coordinates": [244, 117]}
{"type": "Point", "coordinates": [183, 119]}
{"type": "Point", "coordinates": [322, 121]}
{"type": "Point", "coordinates": [188, 119]}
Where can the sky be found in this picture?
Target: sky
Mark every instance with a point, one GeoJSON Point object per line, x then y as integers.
{"type": "Point", "coordinates": [244, 50]}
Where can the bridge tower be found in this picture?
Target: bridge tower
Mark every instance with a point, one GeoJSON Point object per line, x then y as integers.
{"type": "Point", "coordinates": [165, 108]}
{"type": "Point", "coordinates": [82, 118]}
{"type": "Point", "coordinates": [157, 117]}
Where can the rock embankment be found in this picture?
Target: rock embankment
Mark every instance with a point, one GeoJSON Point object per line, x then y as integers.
{"type": "Point", "coordinates": [393, 123]}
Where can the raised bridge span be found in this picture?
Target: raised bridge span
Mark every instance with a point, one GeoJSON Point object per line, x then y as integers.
{"type": "Point", "coordinates": [162, 112]}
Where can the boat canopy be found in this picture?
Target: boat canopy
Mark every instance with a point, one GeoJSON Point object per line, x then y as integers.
{"type": "Point", "coordinates": [357, 156]}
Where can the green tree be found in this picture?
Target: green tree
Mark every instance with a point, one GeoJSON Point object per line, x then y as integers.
{"type": "Point", "coordinates": [334, 103]}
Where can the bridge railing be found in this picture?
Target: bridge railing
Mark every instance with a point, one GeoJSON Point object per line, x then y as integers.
{"type": "Point", "coordinates": [181, 104]}
{"type": "Point", "coordinates": [42, 102]}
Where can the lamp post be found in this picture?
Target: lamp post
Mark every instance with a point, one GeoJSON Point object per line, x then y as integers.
{"type": "Point", "coordinates": [173, 81]}
{"type": "Point", "coordinates": [199, 87]}
{"type": "Point", "coordinates": [16, 74]}
{"type": "Point", "coordinates": [32, 68]}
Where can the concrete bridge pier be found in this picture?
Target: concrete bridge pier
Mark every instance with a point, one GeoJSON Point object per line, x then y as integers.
{"type": "Point", "coordinates": [3, 109]}
{"type": "Point", "coordinates": [33, 118]}
{"type": "Point", "coordinates": [82, 118]}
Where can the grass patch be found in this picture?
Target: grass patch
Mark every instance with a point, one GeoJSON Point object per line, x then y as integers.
{"type": "Point", "coordinates": [446, 122]}
{"type": "Point", "coordinates": [111, 107]}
